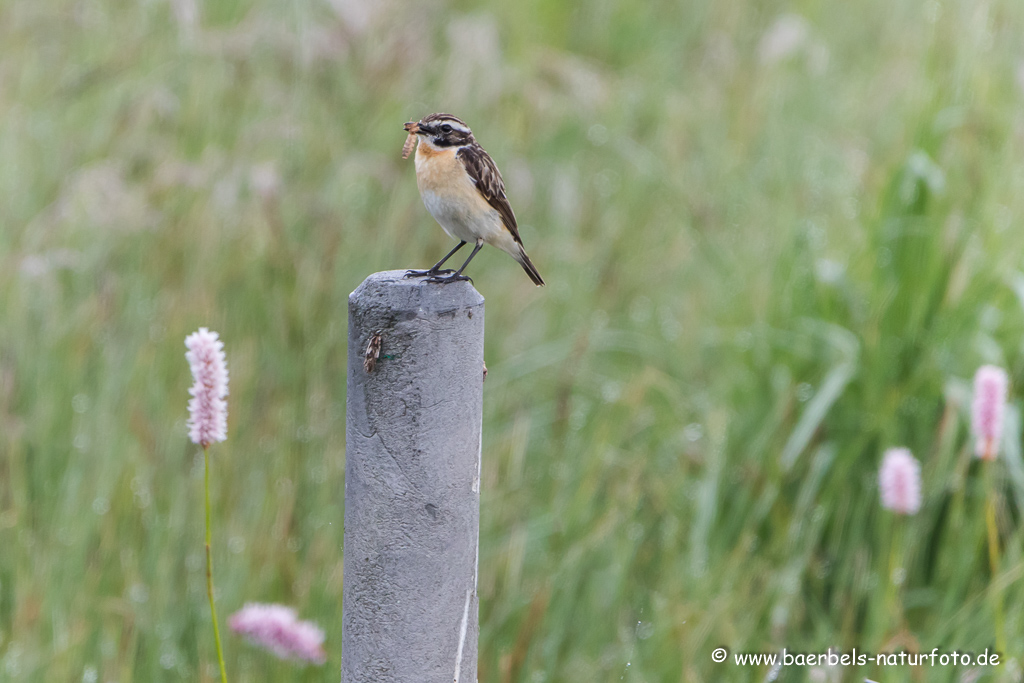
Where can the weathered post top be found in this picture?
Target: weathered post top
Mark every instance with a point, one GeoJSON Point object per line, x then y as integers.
{"type": "Point", "coordinates": [392, 290]}
{"type": "Point", "coordinates": [412, 481]}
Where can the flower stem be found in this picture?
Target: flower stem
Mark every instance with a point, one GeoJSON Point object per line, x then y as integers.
{"type": "Point", "coordinates": [209, 569]}
{"type": "Point", "coordinates": [993, 557]}
{"type": "Point", "coordinates": [894, 604]}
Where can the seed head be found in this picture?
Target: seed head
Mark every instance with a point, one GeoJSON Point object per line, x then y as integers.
{"type": "Point", "coordinates": [899, 481]}
{"type": "Point", "coordinates": [988, 409]}
{"type": "Point", "coordinates": [277, 628]}
{"type": "Point", "coordinates": [208, 409]}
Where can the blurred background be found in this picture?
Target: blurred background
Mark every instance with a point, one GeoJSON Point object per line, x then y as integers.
{"type": "Point", "coordinates": [779, 238]}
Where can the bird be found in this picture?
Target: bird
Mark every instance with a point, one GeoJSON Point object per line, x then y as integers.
{"type": "Point", "coordinates": [463, 190]}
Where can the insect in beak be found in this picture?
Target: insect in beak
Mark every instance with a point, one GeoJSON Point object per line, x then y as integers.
{"type": "Point", "coordinates": [412, 127]}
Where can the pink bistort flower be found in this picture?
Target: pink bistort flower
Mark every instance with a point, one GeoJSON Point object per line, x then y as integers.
{"type": "Point", "coordinates": [278, 629]}
{"type": "Point", "coordinates": [899, 481]}
{"type": "Point", "coordinates": [208, 409]}
{"type": "Point", "coordinates": [990, 386]}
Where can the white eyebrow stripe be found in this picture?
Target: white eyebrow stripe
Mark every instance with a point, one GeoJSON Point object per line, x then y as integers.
{"type": "Point", "coordinates": [457, 125]}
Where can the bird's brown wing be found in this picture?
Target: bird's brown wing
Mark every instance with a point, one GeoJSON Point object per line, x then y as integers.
{"type": "Point", "coordinates": [484, 173]}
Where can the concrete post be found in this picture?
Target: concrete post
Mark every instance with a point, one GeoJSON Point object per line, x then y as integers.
{"type": "Point", "coordinates": [412, 481]}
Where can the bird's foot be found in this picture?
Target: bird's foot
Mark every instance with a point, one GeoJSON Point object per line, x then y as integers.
{"type": "Point", "coordinates": [427, 273]}
{"type": "Point", "coordinates": [455, 277]}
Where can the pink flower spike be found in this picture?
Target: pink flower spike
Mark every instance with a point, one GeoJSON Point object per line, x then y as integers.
{"type": "Point", "coordinates": [899, 480]}
{"type": "Point", "coordinates": [990, 388]}
{"type": "Point", "coordinates": [207, 409]}
{"type": "Point", "coordinates": [277, 628]}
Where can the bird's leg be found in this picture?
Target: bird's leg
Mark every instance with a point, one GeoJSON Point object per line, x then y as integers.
{"type": "Point", "coordinates": [435, 269]}
{"type": "Point", "coordinates": [457, 275]}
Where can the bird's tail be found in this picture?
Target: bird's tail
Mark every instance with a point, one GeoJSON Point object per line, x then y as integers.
{"type": "Point", "coordinates": [528, 266]}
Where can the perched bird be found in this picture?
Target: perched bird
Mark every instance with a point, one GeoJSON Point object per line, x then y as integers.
{"type": "Point", "coordinates": [462, 189]}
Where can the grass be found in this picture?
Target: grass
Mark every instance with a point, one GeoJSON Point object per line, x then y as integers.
{"type": "Point", "coordinates": [764, 268]}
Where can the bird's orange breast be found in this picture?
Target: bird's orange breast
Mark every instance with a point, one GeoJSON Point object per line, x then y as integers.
{"type": "Point", "coordinates": [439, 171]}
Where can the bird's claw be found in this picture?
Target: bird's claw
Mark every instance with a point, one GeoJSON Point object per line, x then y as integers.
{"type": "Point", "coordinates": [449, 278]}
{"type": "Point", "coordinates": [427, 273]}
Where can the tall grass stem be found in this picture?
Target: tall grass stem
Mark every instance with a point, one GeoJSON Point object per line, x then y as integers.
{"type": "Point", "coordinates": [897, 574]}
{"type": "Point", "coordinates": [993, 556]}
{"type": "Point", "coordinates": [209, 569]}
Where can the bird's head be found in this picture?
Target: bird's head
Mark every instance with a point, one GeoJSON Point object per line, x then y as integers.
{"type": "Point", "coordinates": [441, 130]}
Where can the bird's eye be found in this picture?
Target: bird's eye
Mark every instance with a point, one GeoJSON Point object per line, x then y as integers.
{"type": "Point", "coordinates": [446, 128]}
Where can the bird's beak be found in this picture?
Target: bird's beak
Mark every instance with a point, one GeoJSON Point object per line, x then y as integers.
{"type": "Point", "coordinates": [412, 127]}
